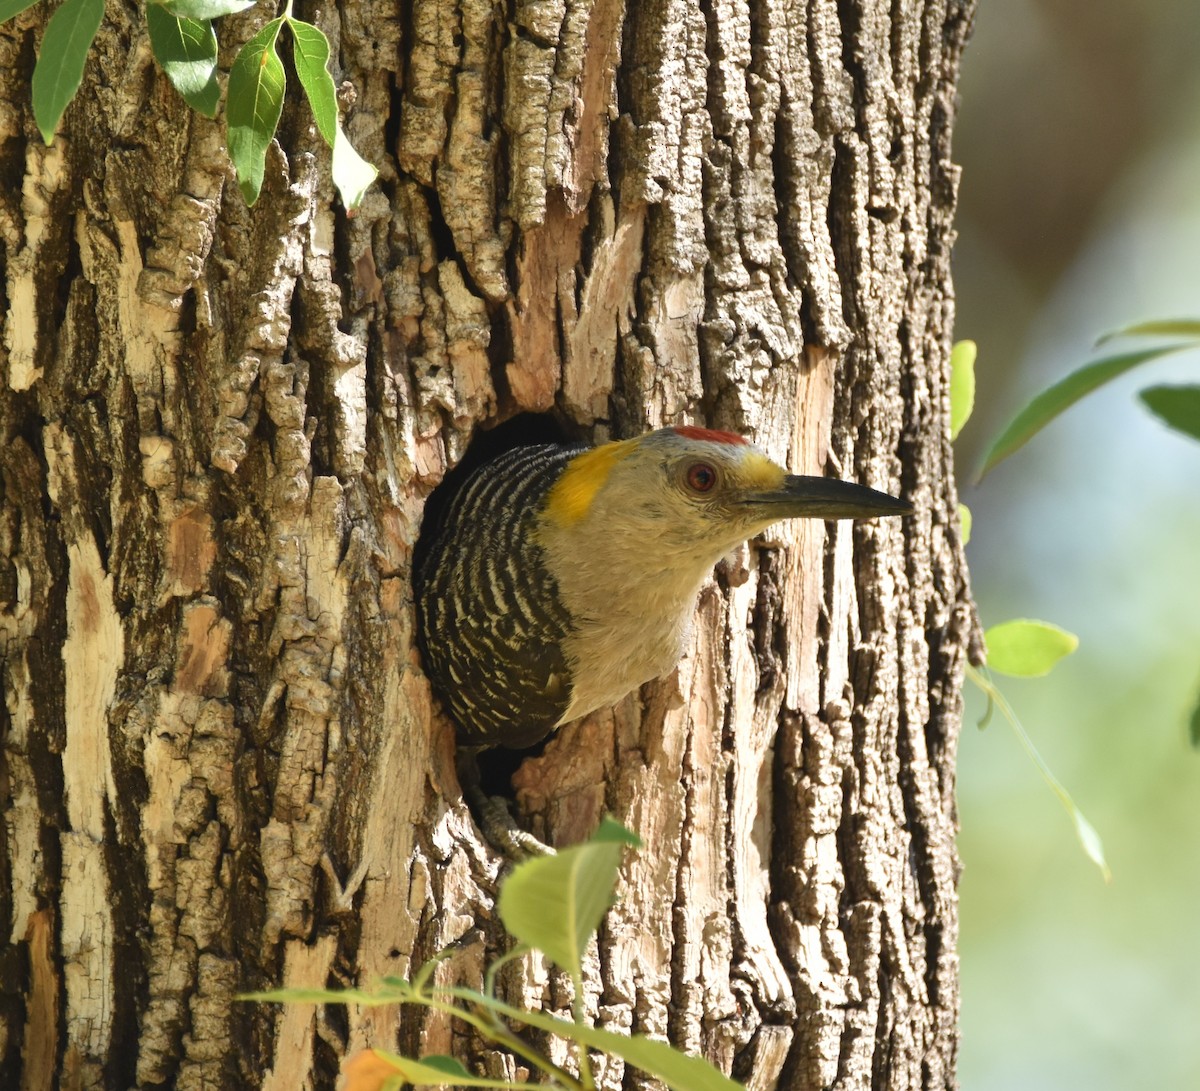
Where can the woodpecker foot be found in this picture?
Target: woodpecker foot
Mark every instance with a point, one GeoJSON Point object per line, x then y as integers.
{"type": "Point", "coordinates": [492, 815]}
{"type": "Point", "coordinates": [497, 824]}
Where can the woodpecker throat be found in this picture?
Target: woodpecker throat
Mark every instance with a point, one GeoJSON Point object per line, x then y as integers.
{"type": "Point", "coordinates": [562, 578]}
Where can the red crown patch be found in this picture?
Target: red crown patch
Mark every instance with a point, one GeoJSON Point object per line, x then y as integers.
{"type": "Point", "coordinates": [709, 435]}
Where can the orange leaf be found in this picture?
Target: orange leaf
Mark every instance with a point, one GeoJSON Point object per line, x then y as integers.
{"type": "Point", "coordinates": [368, 1070]}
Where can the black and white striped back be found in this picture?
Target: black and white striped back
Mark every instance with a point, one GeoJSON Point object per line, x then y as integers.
{"type": "Point", "coordinates": [489, 619]}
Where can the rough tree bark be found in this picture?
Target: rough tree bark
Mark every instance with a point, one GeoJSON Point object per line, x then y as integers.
{"type": "Point", "coordinates": [222, 766]}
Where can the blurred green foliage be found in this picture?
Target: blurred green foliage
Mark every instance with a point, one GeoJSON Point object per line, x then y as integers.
{"type": "Point", "coordinates": [1079, 137]}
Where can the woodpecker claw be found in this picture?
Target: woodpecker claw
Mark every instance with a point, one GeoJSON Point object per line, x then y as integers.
{"type": "Point", "coordinates": [497, 824]}
{"type": "Point", "coordinates": [492, 814]}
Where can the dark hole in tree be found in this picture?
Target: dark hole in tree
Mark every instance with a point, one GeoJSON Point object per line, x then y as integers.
{"type": "Point", "coordinates": [523, 430]}
{"type": "Point", "coordinates": [497, 767]}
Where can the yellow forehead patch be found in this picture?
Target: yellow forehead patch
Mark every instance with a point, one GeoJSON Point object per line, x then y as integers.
{"type": "Point", "coordinates": [572, 494]}
{"type": "Point", "coordinates": [759, 473]}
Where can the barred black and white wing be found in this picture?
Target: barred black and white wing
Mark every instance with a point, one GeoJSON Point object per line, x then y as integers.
{"type": "Point", "coordinates": [491, 625]}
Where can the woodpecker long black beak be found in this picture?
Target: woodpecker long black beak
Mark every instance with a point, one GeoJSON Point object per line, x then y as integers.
{"type": "Point", "coordinates": [825, 498]}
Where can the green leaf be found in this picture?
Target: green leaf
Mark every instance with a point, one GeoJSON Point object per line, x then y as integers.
{"type": "Point", "coordinates": [442, 1063]}
{"type": "Point", "coordinates": [964, 520]}
{"type": "Point", "coordinates": [1163, 327]}
{"type": "Point", "coordinates": [1024, 648]}
{"type": "Point", "coordinates": [438, 1070]}
{"type": "Point", "coordinates": [9, 8]}
{"type": "Point", "coordinates": [962, 385]}
{"type": "Point", "coordinates": [1176, 406]}
{"type": "Point", "coordinates": [1062, 395]}
{"type": "Point", "coordinates": [658, 1059]}
{"type": "Point", "coordinates": [352, 175]}
{"type": "Point", "coordinates": [186, 50]}
{"type": "Point", "coordinates": [425, 974]}
{"type": "Point", "coordinates": [59, 68]}
{"type": "Point", "coordinates": [611, 831]}
{"type": "Point", "coordinates": [254, 103]}
{"type": "Point", "coordinates": [441, 1071]}
{"type": "Point", "coordinates": [310, 48]}
{"type": "Point", "coordinates": [1194, 727]}
{"type": "Point", "coordinates": [204, 9]}
{"type": "Point", "coordinates": [555, 903]}
{"type": "Point", "coordinates": [1089, 839]}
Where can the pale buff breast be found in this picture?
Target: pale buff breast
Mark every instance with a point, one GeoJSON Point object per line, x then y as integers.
{"type": "Point", "coordinates": [632, 620]}
{"type": "Point", "coordinates": [628, 652]}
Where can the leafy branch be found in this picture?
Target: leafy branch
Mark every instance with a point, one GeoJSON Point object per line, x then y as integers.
{"type": "Point", "coordinates": [553, 904]}
{"type": "Point", "coordinates": [1022, 647]}
{"type": "Point", "coordinates": [1178, 407]}
{"type": "Point", "coordinates": [184, 42]}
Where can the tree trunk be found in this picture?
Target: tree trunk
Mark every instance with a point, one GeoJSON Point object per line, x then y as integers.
{"type": "Point", "coordinates": [222, 765]}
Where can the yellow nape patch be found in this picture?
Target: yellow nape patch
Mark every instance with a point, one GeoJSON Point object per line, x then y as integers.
{"type": "Point", "coordinates": [759, 473]}
{"type": "Point", "coordinates": [572, 494]}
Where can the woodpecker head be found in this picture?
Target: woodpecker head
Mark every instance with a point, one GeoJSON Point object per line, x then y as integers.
{"type": "Point", "coordinates": [630, 530]}
{"type": "Point", "coordinates": [693, 494]}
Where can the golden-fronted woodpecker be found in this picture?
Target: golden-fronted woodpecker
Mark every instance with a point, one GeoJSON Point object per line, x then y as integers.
{"type": "Point", "coordinates": [562, 578]}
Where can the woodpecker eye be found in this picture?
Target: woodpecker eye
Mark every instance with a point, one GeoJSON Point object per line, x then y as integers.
{"type": "Point", "coordinates": [701, 477]}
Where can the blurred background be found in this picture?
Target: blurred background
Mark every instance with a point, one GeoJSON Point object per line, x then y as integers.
{"type": "Point", "coordinates": [1079, 138]}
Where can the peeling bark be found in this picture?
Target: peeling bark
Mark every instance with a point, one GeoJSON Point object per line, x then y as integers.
{"type": "Point", "coordinates": [222, 767]}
